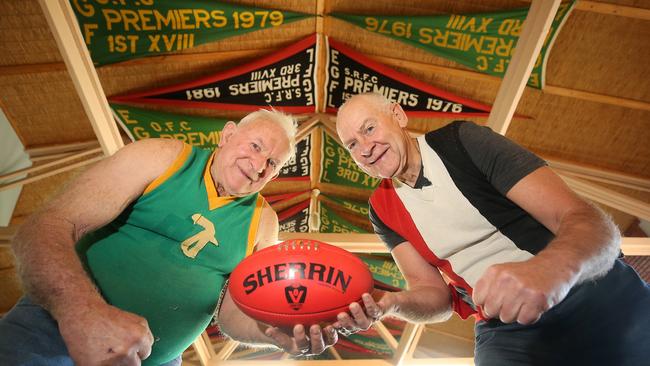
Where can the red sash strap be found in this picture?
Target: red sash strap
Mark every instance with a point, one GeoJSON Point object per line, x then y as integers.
{"type": "Point", "coordinates": [390, 209]}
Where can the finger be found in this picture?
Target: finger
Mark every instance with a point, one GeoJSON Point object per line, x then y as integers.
{"type": "Point", "coordinates": [480, 290]}
{"type": "Point", "coordinates": [144, 348]}
{"type": "Point", "coordinates": [302, 342]}
{"type": "Point", "coordinates": [280, 338]}
{"type": "Point", "coordinates": [510, 312]}
{"type": "Point", "coordinates": [316, 339]}
{"type": "Point", "coordinates": [331, 337]}
{"type": "Point", "coordinates": [372, 308]}
{"type": "Point", "coordinates": [144, 352]}
{"type": "Point", "coordinates": [344, 320]}
{"type": "Point", "coordinates": [360, 318]}
{"type": "Point", "coordinates": [529, 314]}
{"type": "Point", "coordinates": [492, 306]}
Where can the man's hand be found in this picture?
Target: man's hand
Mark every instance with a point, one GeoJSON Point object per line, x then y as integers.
{"type": "Point", "coordinates": [302, 344]}
{"type": "Point", "coordinates": [361, 318]}
{"type": "Point", "coordinates": [521, 291]}
{"type": "Point", "coordinates": [105, 335]}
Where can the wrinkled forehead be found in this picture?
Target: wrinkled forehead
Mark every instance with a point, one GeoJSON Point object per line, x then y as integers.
{"type": "Point", "coordinates": [357, 111]}
{"type": "Point", "coordinates": [269, 133]}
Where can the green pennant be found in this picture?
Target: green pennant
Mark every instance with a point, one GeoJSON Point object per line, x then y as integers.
{"type": "Point", "coordinates": [360, 208]}
{"type": "Point", "coordinates": [375, 344]}
{"type": "Point", "coordinates": [141, 123]}
{"type": "Point", "coordinates": [384, 270]}
{"type": "Point", "coordinates": [484, 42]}
{"type": "Point", "coordinates": [120, 30]}
{"type": "Point", "coordinates": [330, 222]}
{"type": "Point", "coordinates": [338, 167]}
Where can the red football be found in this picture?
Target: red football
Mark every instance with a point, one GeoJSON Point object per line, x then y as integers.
{"type": "Point", "coordinates": [299, 282]}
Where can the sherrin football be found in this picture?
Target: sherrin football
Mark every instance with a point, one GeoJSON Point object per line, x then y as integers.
{"type": "Point", "coordinates": [299, 282]}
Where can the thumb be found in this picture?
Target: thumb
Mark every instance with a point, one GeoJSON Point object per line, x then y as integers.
{"type": "Point", "coordinates": [280, 339]}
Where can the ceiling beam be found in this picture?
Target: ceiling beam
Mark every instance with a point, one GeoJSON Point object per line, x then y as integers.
{"type": "Point", "coordinates": [600, 175]}
{"type": "Point", "coordinates": [608, 197]}
{"type": "Point", "coordinates": [533, 33]}
{"type": "Point", "coordinates": [49, 173]}
{"type": "Point", "coordinates": [64, 27]}
{"type": "Point", "coordinates": [384, 333]}
{"type": "Point", "coordinates": [407, 343]}
{"type": "Point", "coordinates": [613, 9]}
{"type": "Point", "coordinates": [50, 164]}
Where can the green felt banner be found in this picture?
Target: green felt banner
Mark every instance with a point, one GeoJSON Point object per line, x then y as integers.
{"type": "Point", "coordinates": [359, 208]}
{"type": "Point", "coordinates": [338, 167]}
{"type": "Point", "coordinates": [119, 30]}
{"type": "Point", "coordinates": [484, 42]}
{"type": "Point", "coordinates": [141, 123]}
{"type": "Point", "coordinates": [330, 222]}
{"type": "Point", "coordinates": [384, 270]}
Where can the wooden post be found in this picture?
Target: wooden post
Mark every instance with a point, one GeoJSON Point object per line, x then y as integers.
{"type": "Point", "coordinates": [65, 29]}
{"type": "Point", "coordinates": [533, 32]}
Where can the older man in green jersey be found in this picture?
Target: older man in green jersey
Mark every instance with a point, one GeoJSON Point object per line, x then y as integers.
{"type": "Point", "coordinates": [131, 260]}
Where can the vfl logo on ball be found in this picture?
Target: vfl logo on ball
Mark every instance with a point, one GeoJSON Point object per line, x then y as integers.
{"type": "Point", "coordinates": [295, 296]}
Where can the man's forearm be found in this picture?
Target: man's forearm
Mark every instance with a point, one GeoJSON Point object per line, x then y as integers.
{"type": "Point", "coordinates": [587, 243]}
{"type": "Point", "coordinates": [49, 267]}
{"type": "Point", "coordinates": [421, 305]}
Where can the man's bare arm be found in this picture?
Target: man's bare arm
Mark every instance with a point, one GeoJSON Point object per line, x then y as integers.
{"type": "Point", "coordinates": [45, 246]}
{"type": "Point", "coordinates": [585, 246]}
{"type": "Point", "coordinates": [426, 300]}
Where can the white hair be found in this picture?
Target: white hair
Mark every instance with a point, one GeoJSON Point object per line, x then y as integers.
{"type": "Point", "coordinates": [287, 122]}
{"type": "Point", "coordinates": [378, 100]}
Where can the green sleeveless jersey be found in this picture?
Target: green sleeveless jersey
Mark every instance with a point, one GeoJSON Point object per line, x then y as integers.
{"type": "Point", "coordinates": [167, 256]}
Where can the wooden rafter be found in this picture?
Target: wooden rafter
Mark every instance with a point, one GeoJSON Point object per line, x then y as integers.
{"type": "Point", "coordinates": [600, 175]}
{"type": "Point", "coordinates": [407, 343]}
{"type": "Point", "coordinates": [50, 164]}
{"type": "Point", "coordinates": [384, 333]}
{"type": "Point", "coordinates": [63, 23]}
{"type": "Point", "coordinates": [50, 173]}
{"type": "Point", "coordinates": [533, 33]}
{"type": "Point", "coordinates": [609, 197]}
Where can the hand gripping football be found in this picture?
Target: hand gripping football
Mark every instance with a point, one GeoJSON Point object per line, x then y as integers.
{"type": "Point", "coordinates": [299, 282]}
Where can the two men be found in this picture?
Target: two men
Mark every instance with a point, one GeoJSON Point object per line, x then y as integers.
{"type": "Point", "coordinates": [480, 226]}
{"type": "Point", "coordinates": [130, 262]}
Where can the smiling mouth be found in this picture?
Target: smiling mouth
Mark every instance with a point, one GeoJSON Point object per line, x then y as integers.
{"type": "Point", "coordinates": [379, 157]}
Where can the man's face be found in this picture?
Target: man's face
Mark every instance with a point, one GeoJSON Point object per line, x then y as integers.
{"type": "Point", "coordinates": [374, 136]}
{"type": "Point", "coordinates": [250, 156]}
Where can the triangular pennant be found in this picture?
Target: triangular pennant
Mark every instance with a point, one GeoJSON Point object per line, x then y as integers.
{"type": "Point", "coordinates": [484, 42]}
{"type": "Point", "coordinates": [285, 80]}
{"type": "Point", "coordinates": [385, 271]}
{"type": "Point", "coordinates": [118, 31]}
{"type": "Point", "coordinates": [350, 73]}
{"type": "Point", "coordinates": [139, 123]}
{"type": "Point", "coordinates": [338, 167]}
{"type": "Point", "coordinates": [357, 207]}
{"type": "Point", "coordinates": [299, 166]}
{"type": "Point", "coordinates": [295, 219]}
{"type": "Point", "coordinates": [330, 222]}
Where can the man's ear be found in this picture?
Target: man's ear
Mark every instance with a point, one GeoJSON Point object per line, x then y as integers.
{"type": "Point", "coordinates": [399, 115]}
{"type": "Point", "coordinates": [226, 133]}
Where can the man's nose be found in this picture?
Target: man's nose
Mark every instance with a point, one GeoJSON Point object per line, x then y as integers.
{"type": "Point", "coordinates": [366, 149]}
{"type": "Point", "coordinates": [259, 163]}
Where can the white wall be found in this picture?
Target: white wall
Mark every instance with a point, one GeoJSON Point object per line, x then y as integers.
{"type": "Point", "coordinates": [12, 157]}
